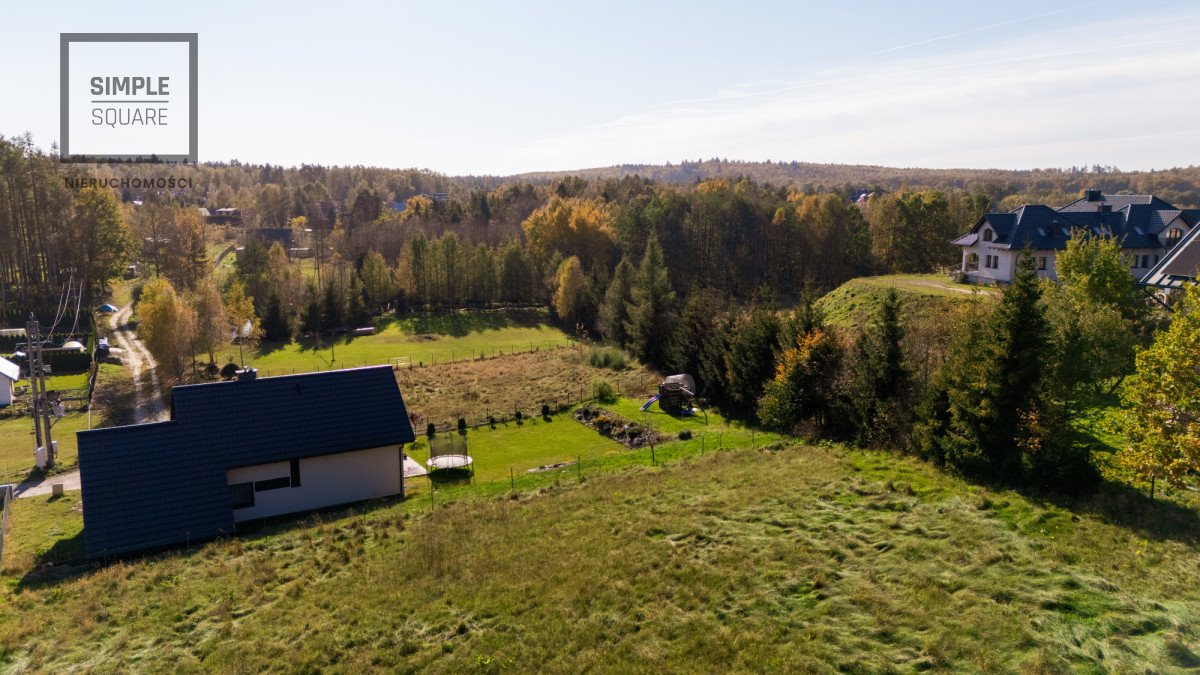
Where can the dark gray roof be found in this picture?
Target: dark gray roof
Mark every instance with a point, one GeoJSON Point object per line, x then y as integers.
{"type": "Point", "coordinates": [1181, 265]}
{"type": "Point", "coordinates": [1138, 220]}
{"type": "Point", "coordinates": [158, 484]}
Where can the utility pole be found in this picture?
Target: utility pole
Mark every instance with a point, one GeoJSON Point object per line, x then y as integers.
{"type": "Point", "coordinates": [37, 382]}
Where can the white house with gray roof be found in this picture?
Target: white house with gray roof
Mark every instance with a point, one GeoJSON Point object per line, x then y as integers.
{"type": "Point", "coordinates": [1147, 226]}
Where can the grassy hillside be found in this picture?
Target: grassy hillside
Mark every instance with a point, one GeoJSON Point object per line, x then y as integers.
{"type": "Point", "coordinates": [801, 558]}
{"type": "Point", "coordinates": [921, 296]}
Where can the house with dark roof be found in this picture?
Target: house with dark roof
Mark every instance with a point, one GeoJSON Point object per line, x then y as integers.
{"type": "Point", "coordinates": [1180, 266]}
{"type": "Point", "coordinates": [241, 450]}
{"type": "Point", "coordinates": [1147, 226]}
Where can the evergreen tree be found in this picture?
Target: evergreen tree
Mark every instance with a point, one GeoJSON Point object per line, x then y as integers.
{"type": "Point", "coordinates": [803, 386]}
{"type": "Point", "coordinates": [333, 307]}
{"type": "Point", "coordinates": [276, 324]}
{"type": "Point", "coordinates": [651, 310]}
{"type": "Point", "coordinates": [311, 321]}
{"type": "Point", "coordinates": [750, 359]}
{"type": "Point", "coordinates": [356, 307]}
{"type": "Point", "coordinates": [879, 379]}
{"type": "Point", "coordinates": [614, 311]}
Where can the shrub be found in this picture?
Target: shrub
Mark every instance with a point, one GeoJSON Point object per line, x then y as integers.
{"type": "Point", "coordinates": [492, 421]}
{"type": "Point", "coordinates": [603, 391]}
{"type": "Point", "coordinates": [518, 417]}
{"type": "Point", "coordinates": [685, 435]}
{"type": "Point", "coordinates": [546, 410]}
{"type": "Point", "coordinates": [607, 357]}
{"type": "Point", "coordinates": [462, 426]}
{"type": "Point", "coordinates": [431, 430]}
{"type": "Point", "coordinates": [229, 371]}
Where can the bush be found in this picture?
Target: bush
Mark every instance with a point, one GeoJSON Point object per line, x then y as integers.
{"type": "Point", "coordinates": [546, 410]}
{"type": "Point", "coordinates": [607, 357]}
{"type": "Point", "coordinates": [229, 370]}
{"type": "Point", "coordinates": [462, 426]}
{"type": "Point", "coordinates": [518, 417]}
{"type": "Point", "coordinates": [492, 421]}
{"type": "Point", "coordinates": [603, 391]}
{"type": "Point", "coordinates": [431, 430]}
{"type": "Point", "coordinates": [685, 435]}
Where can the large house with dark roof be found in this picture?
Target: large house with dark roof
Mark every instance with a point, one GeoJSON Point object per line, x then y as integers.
{"type": "Point", "coordinates": [241, 450]}
{"type": "Point", "coordinates": [1147, 226]}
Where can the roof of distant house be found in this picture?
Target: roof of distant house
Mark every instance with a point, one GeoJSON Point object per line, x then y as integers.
{"type": "Point", "coordinates": [164, 483]}
{"type": "Point", "coordinates": [1180, 266]}
{"type": "Point", "coordinates": [1138, 220]}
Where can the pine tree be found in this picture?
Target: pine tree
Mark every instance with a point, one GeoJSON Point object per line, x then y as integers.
{"type": "Point", "coordinates": [311, 321]}
{"type": "Point", "coordinates": [614, 311]}
{"type": "Point", "coordinates": [356, 307]}
{"type": "Point", "coordinates": [276, 324]}
{"type": "Point", "coordinates": [880, 380]}
{"type": "Point", "coordinates": [750, 359]}
{"type": "Point", "coordinates": [651, 310]}
{"type": "Point", "coordinates": [333, 307]}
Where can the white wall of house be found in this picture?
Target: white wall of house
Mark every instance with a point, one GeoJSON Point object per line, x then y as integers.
{"type": "Point", "coordinates": [6, 391]}
{"type": "Point", "coordinates": [328, 480]}
{"type": "Point", "coordinates": [1005, 261]}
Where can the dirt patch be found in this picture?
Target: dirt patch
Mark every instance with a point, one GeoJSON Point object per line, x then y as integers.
{"type": "Point", "coordinates": [423, 337]}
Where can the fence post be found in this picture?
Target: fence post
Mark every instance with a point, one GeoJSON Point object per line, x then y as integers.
{"type": "Point", "coordinates": [512, 481]}
{"type": "Point", "coordinates": [579, 467]}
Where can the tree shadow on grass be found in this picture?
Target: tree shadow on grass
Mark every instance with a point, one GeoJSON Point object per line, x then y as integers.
{"type": "Point", "coordinates": [460, 323]}
{"type": "Point", "coordinates": [1126, 507]}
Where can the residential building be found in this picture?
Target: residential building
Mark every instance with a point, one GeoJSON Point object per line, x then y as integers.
{"type": "Point", "coordinates": [1147, 226]}
{"type": "Point", "coordinates": [10, 374]}
{"type": "Point", "coordinates": [242, 450]}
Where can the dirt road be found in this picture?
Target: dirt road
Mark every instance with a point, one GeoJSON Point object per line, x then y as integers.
{"type": "Point", "coordinates": [149, 406]}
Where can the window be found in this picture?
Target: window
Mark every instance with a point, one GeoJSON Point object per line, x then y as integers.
{"type": "Point", "coordinates": [972, 264]}
{"type": "Point", "coordinates": [1156, 260]}
{"type": "Point", "coordinates": [992, 262]}
{"type": "Point", "coordinates": [1145, 261]}
{"type": "Point", "coordinates": [295, 473]}
{"type": "Point", "coordinates": [1042, 263]}
{"type": "Point", "coordinates": [242, 495]}
{"type": "Point", "coordinates": [987, 234]}
{"type": "Point", "coordinates": [1174, 235]}
{"type": "Point", "coordinates": [272, 484]}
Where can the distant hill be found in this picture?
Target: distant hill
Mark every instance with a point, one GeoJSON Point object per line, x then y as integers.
{"type": "Point", "coordinates": [1180, 186]}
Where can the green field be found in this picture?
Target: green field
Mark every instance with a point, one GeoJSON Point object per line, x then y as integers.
{"type": "Point", "coordinates": [425, 339]}
{"type": "Point", "coordinates": [798, 558]}
{"type": "Point", "coordinates": [922, 296]}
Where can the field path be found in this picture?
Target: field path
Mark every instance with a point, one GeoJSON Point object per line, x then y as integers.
{"type": "Point", "coordinates": [148, 407]}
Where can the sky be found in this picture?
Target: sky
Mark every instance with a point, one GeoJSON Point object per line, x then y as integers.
{"type": "Point", "coordinates": [516, 86]}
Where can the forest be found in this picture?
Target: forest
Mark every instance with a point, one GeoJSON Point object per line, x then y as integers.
{"type": "Point", "coordinates": [714, 271]}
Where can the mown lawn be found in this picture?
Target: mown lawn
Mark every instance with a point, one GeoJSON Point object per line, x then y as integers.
{"type": "Point", "coordinates": [422, 340]}
{"type": "Point", "coordinates": [17, 441]}
{"type": "Point", "coordinates": [794, 559]}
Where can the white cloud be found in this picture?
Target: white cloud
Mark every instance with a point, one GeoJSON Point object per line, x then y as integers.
{"type": "Point", "coordinates": [1122, 93]}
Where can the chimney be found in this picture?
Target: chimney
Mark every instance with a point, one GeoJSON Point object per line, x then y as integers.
{"type": "Point", "coordinates": [247, 374]}
{"type": "Point", "coordinates": [1093, 195]}
{"type": "Point", "coordinates": [1106, 208]}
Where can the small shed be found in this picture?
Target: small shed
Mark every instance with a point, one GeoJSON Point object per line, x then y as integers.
{"type": "Point", "coordinates": [9, 374]}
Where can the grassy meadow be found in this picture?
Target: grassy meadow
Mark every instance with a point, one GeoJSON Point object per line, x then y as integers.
{"type": "Point", "coordinates": [796, 558]}
{"type": "Point", "coordinates": [474, 389]}
{"type": "Point", "coordinates": [424, 339]}
{"type": "Point", "coordinates": [922, 297]}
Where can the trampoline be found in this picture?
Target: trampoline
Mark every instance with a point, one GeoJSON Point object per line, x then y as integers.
{"type": "Point", "coordinates": [449, 451]}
